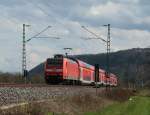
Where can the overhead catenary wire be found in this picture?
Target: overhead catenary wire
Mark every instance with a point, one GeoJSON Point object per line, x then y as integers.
{"type": "Point", "coordinates": [16, 21]}
{"type": "Point", "coordinates": [36, 35]}
{"type": "Point", "coordinates": [44, 11]}
{"type": "Point", "coordinates": [108, 48]}
{"type": "Point", "coordinates": [97, 37]}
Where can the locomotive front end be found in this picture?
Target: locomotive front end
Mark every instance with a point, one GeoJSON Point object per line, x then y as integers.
{"type": "Point", "coordinates": [54, 70]}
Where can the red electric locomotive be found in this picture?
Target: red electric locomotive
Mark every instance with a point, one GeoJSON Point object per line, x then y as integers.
{"type": "Point", "coordinates": [62, 69]}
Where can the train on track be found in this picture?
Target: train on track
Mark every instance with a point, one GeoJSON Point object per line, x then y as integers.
{"type": "Point", "coordinates": [68, 70]}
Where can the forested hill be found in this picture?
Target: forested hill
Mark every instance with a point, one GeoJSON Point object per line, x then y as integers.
{"type": "Point", "coordinates": [132, 66]}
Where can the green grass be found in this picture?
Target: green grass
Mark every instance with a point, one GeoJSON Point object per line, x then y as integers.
{"type": "Point", "coordinates": [137, 106]}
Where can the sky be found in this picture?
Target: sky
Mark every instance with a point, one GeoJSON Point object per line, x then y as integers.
{"type": "Point", "coordinates": [129, 20]}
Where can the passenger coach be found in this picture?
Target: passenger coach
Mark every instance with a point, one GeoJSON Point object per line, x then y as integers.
{"type": "Point", "coordinates": [68, 70]}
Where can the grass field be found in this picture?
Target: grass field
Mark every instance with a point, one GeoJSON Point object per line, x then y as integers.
{"type": "Point", "coordinates": [138, 105]}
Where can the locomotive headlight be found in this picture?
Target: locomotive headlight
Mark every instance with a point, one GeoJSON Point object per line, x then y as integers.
{"type": "Point", "coordinates": [54, 70]}
{"type": "Point", "coordinates": [49, 70]}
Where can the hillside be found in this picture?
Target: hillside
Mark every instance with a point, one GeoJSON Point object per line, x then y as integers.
{"type": "Point", "coordinates": [131, 66]}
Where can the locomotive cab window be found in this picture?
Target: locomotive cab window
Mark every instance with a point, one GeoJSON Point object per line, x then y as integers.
{"type": "Point", "coordinates": [54, 62]}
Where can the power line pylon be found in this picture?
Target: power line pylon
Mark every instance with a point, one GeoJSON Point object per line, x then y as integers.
{"type": "Point", "coordinates": [108, 56]}
{"type": "Point", "coordinates": [24, 66]}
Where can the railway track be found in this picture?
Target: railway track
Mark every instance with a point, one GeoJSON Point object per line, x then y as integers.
{"type": "Point", "coordinates": [22, 85]}
{"type": "Point", "coordinates": [41, 85]}
{"type": "Point", "coordinates": [18, 93]}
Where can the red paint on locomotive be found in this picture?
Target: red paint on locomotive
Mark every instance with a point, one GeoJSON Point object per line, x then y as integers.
{"type": "Point", "coordinates": [59, 69]}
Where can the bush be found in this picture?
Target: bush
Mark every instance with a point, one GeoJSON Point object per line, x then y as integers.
{"type": "Point", "coordinates": [117, 94]}
{"type": "Point", "coordinates": [17, 78]}
{"type": "Point", "coordinates": [11, 78]}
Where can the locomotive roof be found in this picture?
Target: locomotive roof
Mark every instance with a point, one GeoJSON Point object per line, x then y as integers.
{"type": "Point", "coordinates": [113, 75]}
{"type": "Point", "coordinates": [101, 70]}
{"type": "Point", "coordinates": [83, 64]}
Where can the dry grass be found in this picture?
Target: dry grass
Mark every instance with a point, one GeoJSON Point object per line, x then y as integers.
{"type": "Point", "coordinates": [30, 109]}
{"type": "Point", "coordinates": [144, 92]}
{"type": "Point", "coordinates": [72, 105]}
{"type": "Point", "coordinates": [117, 94]}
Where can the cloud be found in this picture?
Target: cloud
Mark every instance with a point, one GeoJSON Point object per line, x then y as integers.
{"type": "Point", "coordinates": [103, 10]}
{"type": "Point", "coordinates": [130, 27]}
{"type": "Point", "coordinates": [125, 39]}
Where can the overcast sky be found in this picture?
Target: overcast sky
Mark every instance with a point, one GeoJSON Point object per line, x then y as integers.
{"type": "Point", "coordinates": [129, 19]}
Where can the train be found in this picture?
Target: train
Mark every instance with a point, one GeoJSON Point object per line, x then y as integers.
{"type": "Point", "coordinates": [68, 70]}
